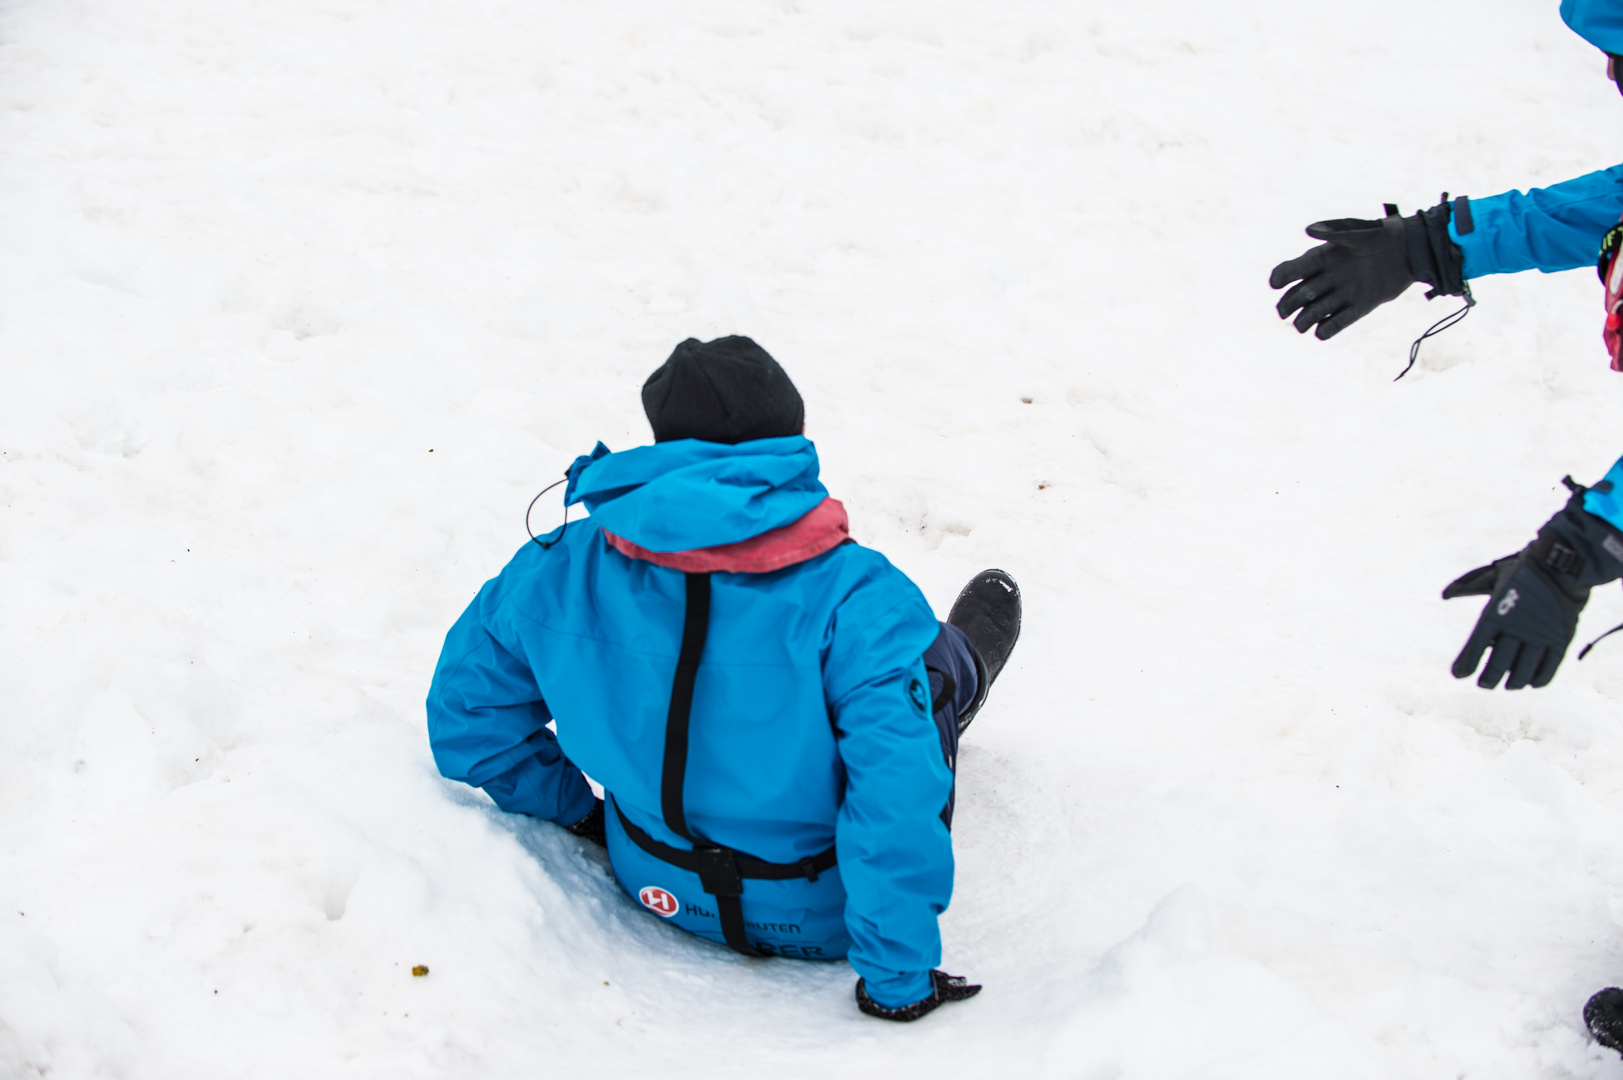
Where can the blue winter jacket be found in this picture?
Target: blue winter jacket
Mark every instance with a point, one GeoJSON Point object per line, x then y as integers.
{"type": "Point", "coordinates": [803, 734]}
{"type": "Point", "coordinates": [1599, 22]}
{"type": "Point", "coordinates": [1555, 228]}
{"type": "Point", "coordinates": [1558, 227]}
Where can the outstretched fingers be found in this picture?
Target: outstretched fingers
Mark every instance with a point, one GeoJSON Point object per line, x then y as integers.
{"type": "Point", "coordinates": [1298, 296]}
{"type": "Point", "coordinates": [1546, 668]}
{"type": "Point", "coordinates": [1465, 664]}
{"type": "Point", "coordinates": [1504, 654]}
{"type": "Point", "coordinates": [1339, 229]}
{"type": "Point", "coordinates": [1338, 322]}
{"type": "Point", "coordinates": [1479, 582]}
{"type": "Point", "coordinates": [1318, 311]}
{"type": "Point", "coordinates": [1304, 266]}
{"type": "Point", "coordinates": [1527, 665]}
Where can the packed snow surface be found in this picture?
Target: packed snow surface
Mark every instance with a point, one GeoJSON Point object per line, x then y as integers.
{"type": "Point", "coordinates": [304, 301]}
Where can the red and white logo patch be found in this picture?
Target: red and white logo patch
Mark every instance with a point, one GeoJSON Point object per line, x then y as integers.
{"type": "Point", "coordinates": [658, 901]}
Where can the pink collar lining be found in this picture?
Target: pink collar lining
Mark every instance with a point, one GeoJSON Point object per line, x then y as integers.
{"type": "Point", "coordinates": [826, 527]}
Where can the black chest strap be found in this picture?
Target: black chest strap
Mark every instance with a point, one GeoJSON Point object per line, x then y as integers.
{"type": "Point", "coordinates": [721, 870]}
{"type": "Point", "coordinates": [673, 776]}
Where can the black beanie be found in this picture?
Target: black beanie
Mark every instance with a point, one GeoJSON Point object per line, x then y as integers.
{"type": "Point", "coordinates": [727, 391]}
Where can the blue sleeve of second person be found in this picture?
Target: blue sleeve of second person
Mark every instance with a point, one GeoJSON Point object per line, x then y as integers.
{"type": "Point", "coordinates": [895, 853]}
{"type": "Point", "coordinates": [1608, 505]}
{"type": "Point", "coordinates": [487, 725]}
{"type": "Point", "coordinates": [1555, 228]}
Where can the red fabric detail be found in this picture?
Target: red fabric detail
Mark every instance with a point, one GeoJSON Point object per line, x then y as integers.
{"type": "Point", "coordinates": [826, 527]}
{"type": "Point", "coordinates": [1614, 308]}
{"type": "Point", "coordinates": [1611, 333]}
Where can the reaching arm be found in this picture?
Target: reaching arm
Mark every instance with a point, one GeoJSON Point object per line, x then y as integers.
{"type": "Point", "coordinates": [1549, 229]}
{"type": "Point", "coordinates": [487, 724]}
{"type": "Point", "coordinates": [895, 855]}
{"type": "Point", "coordinates": [1535, 595]}
{"type": "Point", "coordinates": [1363, 264]}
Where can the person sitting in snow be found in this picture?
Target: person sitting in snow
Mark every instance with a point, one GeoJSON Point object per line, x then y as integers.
{"type": "Point", "coordinates": [1535, 595]}
{"type": "Point", "coordinates": [772, 709]}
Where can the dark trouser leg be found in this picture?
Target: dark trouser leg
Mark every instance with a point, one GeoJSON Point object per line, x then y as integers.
{"type": "Point", "coordinates": [950, 662]}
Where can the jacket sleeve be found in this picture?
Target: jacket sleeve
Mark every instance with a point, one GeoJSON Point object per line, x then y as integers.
{"type": "Point", "coordinates": [487, 724]}
{"type": "Point", "coordinates": [895, 854]}
{"type": "Point", "coordinates": [1549, 229]}
{"type": "Point", "coordinates": [1605, 499]}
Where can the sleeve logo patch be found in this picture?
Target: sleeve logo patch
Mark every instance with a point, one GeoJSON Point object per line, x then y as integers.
{"type": "Point", "coordinates": [918, 696]}
{"type": "Point", "coordinates": [658, 901]}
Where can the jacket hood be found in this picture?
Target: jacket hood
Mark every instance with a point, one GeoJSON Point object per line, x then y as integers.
{"type": "Point", "coordinates": [687, 494]}
{"type": "Point", "coordinates": [1599, 22]}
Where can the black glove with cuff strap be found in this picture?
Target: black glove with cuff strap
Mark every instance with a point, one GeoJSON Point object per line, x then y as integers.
{"type": "Point", "coordinates": [1362, 264]}
{"type": "Point", "coordinates": [1534, 597]}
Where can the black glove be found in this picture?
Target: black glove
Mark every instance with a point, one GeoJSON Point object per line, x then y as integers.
{"type": "Point", "coordinates": [1362, 264]}
{"type": "Point", "coordinates": [591, 826]}
{"type": "Point", "coordinates": [943, 988]}
{"type": "Point", "coordinates": [1534, 598]}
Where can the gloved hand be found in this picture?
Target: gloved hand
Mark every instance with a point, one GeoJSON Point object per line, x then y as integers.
{"type": "Point", "coordinates": [1534, 598]}
{"type": "Point", "coordinates": [1362, 264]}
{"type": "Point", "coordinates": [591, 827]}
{"type": "Point", "coordinates": [943, 988]}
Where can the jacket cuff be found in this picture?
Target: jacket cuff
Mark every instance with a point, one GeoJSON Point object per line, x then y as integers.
{"type": "Point", "coordinates": [1582, 548]}
{"type": "Point", "coordinates": [553, 790]}
{"type": "Point", "coordinates": [1605, 499]}
{"type": "Point", "coordinates": [1473, 243]}
{"type": "Point", "coordinates": [1433, 256]}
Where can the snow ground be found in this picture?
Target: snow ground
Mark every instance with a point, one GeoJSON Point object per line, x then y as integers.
{"type": "Point", "coordinates": [304, 301]}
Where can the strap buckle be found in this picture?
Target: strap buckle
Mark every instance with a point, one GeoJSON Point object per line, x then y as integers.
{"type": "Point", "coordinates": [1563, 559]}
{"type": "Point", "coordinates": [718, 870]}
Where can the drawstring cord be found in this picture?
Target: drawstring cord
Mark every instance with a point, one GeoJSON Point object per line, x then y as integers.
{"type": "Point", "coordinates": [1585, 650]}
{"type": "Point", "coordinates": [1439, 326]}
{"type": "Point", "coordinates": [544, 545]}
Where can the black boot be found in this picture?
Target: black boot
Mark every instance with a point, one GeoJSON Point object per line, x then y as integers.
{"type": "Point", "coordinates": [1604, 1015]}
{"type": "Point", "coordinates": [988, 612]}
